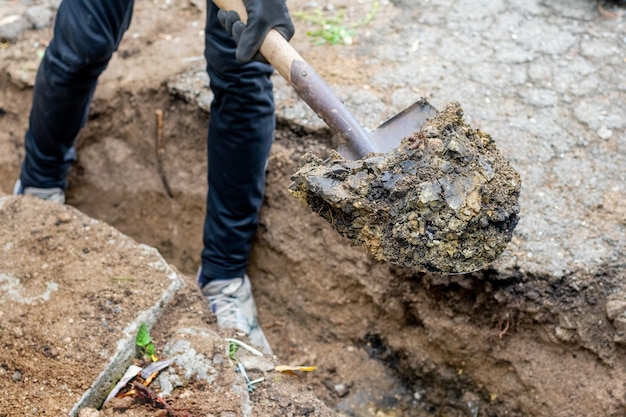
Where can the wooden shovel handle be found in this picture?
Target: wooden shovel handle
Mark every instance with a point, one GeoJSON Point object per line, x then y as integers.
{"type": "Point", "coordinates": [310, 87]}
{"type": "Point", "coordinates": [275, 48]}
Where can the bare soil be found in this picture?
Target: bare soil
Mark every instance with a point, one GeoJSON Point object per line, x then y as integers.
{"type": "Point", "coordinates": [387, 341]}
{"type": "Point", "coordinates": [81, 282]}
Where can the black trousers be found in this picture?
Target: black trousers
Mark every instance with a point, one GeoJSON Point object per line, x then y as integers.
{"type": "Point", "coordinates": [241, 127]}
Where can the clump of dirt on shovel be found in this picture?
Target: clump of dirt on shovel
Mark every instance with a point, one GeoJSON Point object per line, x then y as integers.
{"type": "Point", "coordinates": [444, 201]}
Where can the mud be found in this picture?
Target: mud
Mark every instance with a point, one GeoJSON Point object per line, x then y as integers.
{"type": "Point", "coordinates": [445, 201]}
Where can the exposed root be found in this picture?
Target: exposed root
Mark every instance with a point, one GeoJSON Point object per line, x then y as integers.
{"type": "Point", "coordinates": [160, 152]}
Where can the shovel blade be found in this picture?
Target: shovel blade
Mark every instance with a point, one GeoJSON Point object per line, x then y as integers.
{"type": "Point", "coordinates": [389, 134]}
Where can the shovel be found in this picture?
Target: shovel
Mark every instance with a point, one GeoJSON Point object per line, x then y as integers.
{"type": "Point", "coordinates": [354, 141]}
{"type": "Point", "coordinates": [447, 202]}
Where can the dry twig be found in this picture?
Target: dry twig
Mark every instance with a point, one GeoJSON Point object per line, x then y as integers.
{"type": "Point", "coordinates": [160, 152]}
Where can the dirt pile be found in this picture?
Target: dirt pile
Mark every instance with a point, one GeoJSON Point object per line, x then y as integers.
{"type": "Point", "coordinates": [445, 201]}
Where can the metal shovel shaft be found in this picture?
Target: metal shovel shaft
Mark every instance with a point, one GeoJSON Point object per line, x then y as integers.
{"type": "Point", "coordinates": [310, 87]}
{"type": "Point", "coordinates": [318, 95]}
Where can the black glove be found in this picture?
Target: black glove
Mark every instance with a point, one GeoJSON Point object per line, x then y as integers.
{"type": "Point", "coordinates": [263, 15]}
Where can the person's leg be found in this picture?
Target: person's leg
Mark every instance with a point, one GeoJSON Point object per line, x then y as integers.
{"type": "Point", "coordinates": [241, 130]}
{"type": "Point", "coordinates": [86, 33]}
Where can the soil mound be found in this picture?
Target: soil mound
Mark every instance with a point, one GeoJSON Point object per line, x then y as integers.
{"type": "Point", "coordinates": [445, 201]}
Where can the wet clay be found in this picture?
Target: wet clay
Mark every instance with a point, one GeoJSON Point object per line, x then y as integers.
{"type": "Point", "coordinates": [444, 201]}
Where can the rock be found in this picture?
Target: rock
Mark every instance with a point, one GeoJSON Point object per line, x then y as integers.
{"type": "Point", "coordinates": [39, 16]}
{"type": "Point", "coordinates": [615, 308]}
{"type": "Point", "coordinates": [566, 335]}
{"type": "Point", "coordinates": [64, 217]}
{"type": "Point", "coordinates": [255, 363]}
{"type": "Point", "coordinates": [605, 133]}
{"type": "Point", "coordinates": [470, 402]}
{"type": "Point", "coordinates": [445, 201]}
{"type": "Point", "coordinates": [341, 390]}
{"type": "Point", "coordinates": [620, 324]}
{"type": "Point", "coordinates": [189, 362]}
{"type": "Point", "coordinates": [193, 87]}
{"type": "Point", "coordinates": [11, 28]}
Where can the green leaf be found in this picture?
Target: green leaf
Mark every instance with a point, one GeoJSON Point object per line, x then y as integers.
{"type": "Point", "coordinates": [232, 349]}
{"type": "Point", "coordinates": [335, 29]}
{"type": "Point", "coordinates": [150, 349]}
{"type": "Point", "coordinates": [143, 336]}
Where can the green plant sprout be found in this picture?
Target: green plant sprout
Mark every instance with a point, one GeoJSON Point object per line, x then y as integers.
{"type": "Point", "coordinates": [333, 29]}
{"type": "Point", "coordinates": [144, 342]}
{"type": "Point", "coordinates": [232, 349]}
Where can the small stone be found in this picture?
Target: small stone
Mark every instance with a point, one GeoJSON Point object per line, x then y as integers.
{"type": "Point", "coordinates": [256, 363]}
{"type": "Point", "coordinates": [341, 390]}
{"type": "Point", "coordinates": [615, 308]}
{"type": "Point", "coordinates": [620, 324]}
{"type": "Point", "coordinates": [605, 133]}
{"type": "Point", "coordinates": [533, 295]}
{"type": "Point", "coordinates": [11, 28]}
{"type": "Point", "coordinates": [39, 17]}
{"type": "Point", "coordinates": [471, 403]}
{"type": "Point", "coordinates": [64, 217]}
{"type": "Point", "coordinates": [17, 376]}
{"type": "Point", "coordinates": [565, 335]}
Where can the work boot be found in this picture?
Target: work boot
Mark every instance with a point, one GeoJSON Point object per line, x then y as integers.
{"type": "Point", "coordinates": [51, 194]}
{"type": "Point", "coordinates": [233, 304]}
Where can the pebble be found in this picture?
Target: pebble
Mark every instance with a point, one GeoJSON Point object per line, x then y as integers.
{"type": "Point", "coordinates": [620, 324]}
{"type": "Point", "coordinates": [604, 133]}
{"type": "Point", "coordinates": [341, 390]}
{"type": "Point", "coordinates": [11, 27]}
{"type": "Point", "coordinates": [64, 217]}
{"type": "Point", "coordinates": [39, 17]}
{"type": "Point", "coordinates": [471, 404]}
{"type": "Point", "coordinates": [36, 17]}
{"type": "Point", "coordinates": [256, 363]}
{"type": "Point", "coordinates": [615, 308]}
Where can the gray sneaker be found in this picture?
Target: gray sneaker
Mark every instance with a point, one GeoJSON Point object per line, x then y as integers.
{"type": "Point", "coordinates": [51, 194]}
{"type": "Point", "coordinates": [233, 304]}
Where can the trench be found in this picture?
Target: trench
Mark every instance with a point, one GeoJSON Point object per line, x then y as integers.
{"type": "Point", "coordinates": [387, 342]}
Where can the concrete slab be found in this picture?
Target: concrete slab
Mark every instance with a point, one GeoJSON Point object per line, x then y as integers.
{"type": "Point", "coordinates": [73, 292]}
